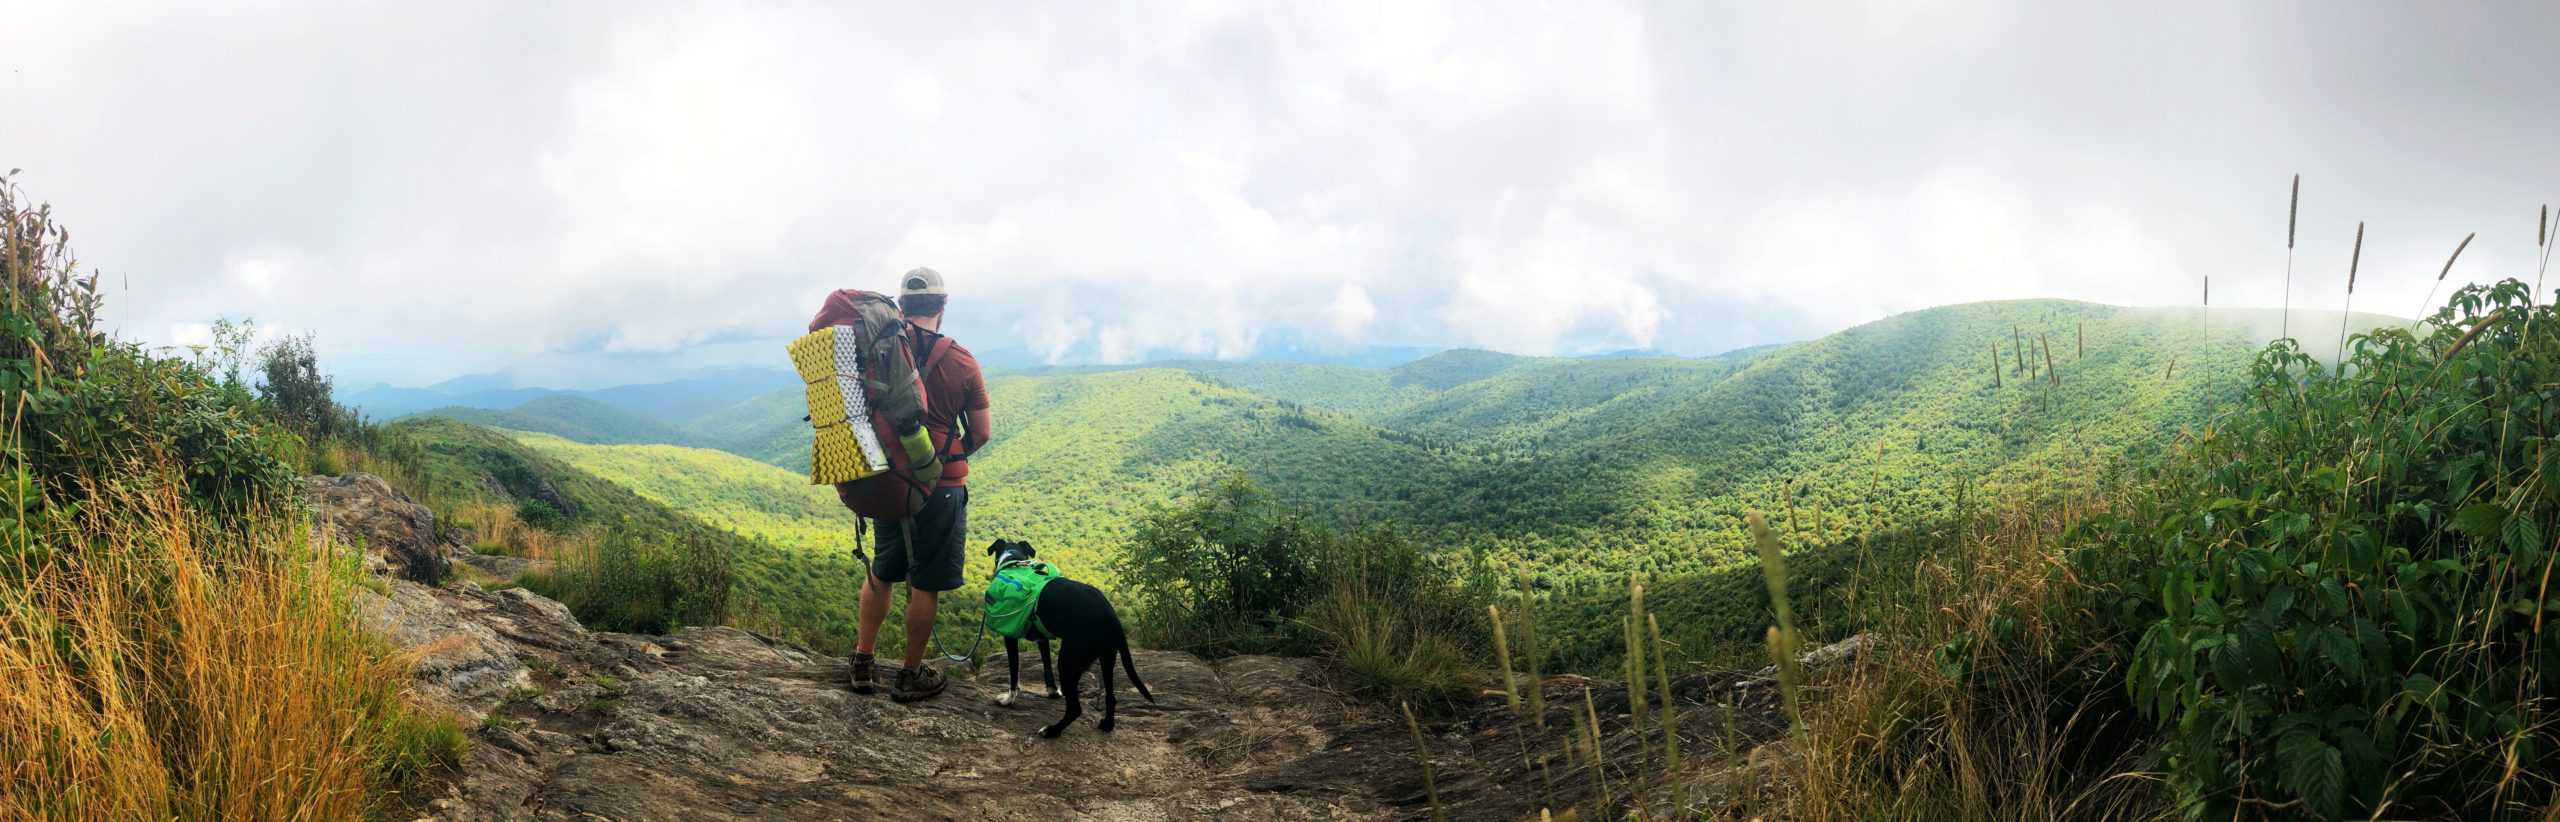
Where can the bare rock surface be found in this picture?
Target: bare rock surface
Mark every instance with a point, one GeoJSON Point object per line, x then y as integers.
{"type": "Point", "coordinates": [720, 723]}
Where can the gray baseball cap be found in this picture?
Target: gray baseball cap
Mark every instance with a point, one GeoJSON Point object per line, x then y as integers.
{"type": "Point", "coordinates": [921, 281]}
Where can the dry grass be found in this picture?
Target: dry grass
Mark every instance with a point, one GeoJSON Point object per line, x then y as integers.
{"type": "Point", "coordinates": [498, 529]}
{"type": "Point", "coordinates": [160, 668]}
{"type": "Point", "coordinates": [1981, 701]}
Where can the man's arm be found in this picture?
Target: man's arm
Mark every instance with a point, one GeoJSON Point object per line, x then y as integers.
{"type": "Point", "coordinates": [980, 427]}
{"type": "Point", "coordinates": [980, 431]}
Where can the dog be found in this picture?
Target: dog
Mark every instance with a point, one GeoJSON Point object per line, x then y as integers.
{"type": "Point", "coordinates": [1081, 619]}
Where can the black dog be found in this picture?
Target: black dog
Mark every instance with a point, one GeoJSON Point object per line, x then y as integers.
{"type": "Point", "coordinates": [1087, 630]}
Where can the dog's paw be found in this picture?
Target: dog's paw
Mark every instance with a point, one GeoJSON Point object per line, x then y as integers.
{"type": "Point", "coordinates": [1053, 731]}
{"type": "Point", "coordinates": [1104, 725]}
{"type": "Point", "coordinates": [1006, 699]}
{"type": "Point", "coordinates": [1052, 694]}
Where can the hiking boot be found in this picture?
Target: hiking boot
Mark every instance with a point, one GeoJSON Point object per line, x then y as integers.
{"type": "Point", "coordinates": [865, 681]}
{"type": "Point", "coordinates": [918, 683]}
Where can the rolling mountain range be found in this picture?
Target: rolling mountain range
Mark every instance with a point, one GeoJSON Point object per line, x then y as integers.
{"type": "Point", "coordinates": [1576, 467]}
{"type": "Point", "coordinates": [1577, 472]}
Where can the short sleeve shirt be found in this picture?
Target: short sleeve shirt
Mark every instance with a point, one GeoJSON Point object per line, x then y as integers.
{"type": "Point", "coordinates": [953, 387]}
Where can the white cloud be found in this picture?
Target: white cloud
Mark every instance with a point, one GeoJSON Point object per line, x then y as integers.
{"type": "Point", "coordinates": [497, 184]}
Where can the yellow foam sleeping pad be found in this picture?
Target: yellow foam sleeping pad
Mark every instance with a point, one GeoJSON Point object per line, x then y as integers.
{"type": "Point", "coordinates": [845, 447]}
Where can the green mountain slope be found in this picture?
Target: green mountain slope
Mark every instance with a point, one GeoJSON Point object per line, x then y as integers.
{"type": "Point", "coordinates": [1366, 393]}
{"type": "Point", "coordinates": [1450, 369]}
{"type": "Point", "coordinates": [1517, 406]}
{"type": "Point", "coordinates": [1878, 427]}
{"type": "Point", "coordinates": [1587, 469]}
{"type": "Point", "coordinates": [1578, 472]}
{"type": "Point", "coordinates": [566, 415]}
{"type": "Point", "coordinates": [787, 583]}
{"type": "Point", "coordinates": [723, 490]}
{"type": "Point", "coordinates": [772, 428]}
{"type": "Point", "coordinates": [1075, 459]}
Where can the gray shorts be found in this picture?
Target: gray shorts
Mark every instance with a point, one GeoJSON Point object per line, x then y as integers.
{"type": "Point", "coordinates": [941, 531]}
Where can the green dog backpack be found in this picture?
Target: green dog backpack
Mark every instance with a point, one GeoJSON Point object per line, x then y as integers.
{"type": "Point", "coordinates": [866, 406]}
{"type": "Point", "coordinates": [1014, 595]}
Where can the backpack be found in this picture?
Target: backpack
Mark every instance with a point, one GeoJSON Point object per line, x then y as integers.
{"type": "Point", "coordinates": [866, 406]}
{"type": "Point", "coordinates": [1013, 599]}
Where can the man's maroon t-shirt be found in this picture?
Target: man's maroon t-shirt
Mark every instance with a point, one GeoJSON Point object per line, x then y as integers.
{"type": "Point", "coordinates": [953, 387]}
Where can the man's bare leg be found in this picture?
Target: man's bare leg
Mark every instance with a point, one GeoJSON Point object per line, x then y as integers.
{"type": "Point", "coordinates": [920, 611]}
{"type": "Point", "coordinates": [873, 612]}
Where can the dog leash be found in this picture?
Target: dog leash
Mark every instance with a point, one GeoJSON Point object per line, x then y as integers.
{"type": "Point", "coordinates": [906, 532]}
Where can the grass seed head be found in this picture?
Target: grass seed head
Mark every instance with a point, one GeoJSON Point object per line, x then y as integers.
{"type": "Point", "coordinates": [2293, 211]}
{"type": "Point", "coordinates": [2457, 254]}
{"type": "Point", "coordinates": [2355, 259]}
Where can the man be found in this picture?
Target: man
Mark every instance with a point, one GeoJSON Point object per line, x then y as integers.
{"type": "Point", "coordinates": [925, 551]}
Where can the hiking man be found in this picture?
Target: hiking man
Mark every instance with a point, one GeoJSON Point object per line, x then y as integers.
{"type": "Point", "coordinates": [926, 550]}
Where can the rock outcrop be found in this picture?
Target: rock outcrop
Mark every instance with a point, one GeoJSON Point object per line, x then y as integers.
{"type": "Point", "coordinates": [721, 723]}
{"type": "Point", "coordinates": [398, 535]}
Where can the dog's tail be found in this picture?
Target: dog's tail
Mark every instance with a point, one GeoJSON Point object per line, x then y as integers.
{"type": "Point", "coordinates": [1129, 663]}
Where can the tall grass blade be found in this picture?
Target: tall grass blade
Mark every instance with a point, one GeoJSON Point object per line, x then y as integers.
{"type": "Point", "coordinates": [2292, 213]}
{"type": "Point", "coordinates": [1422, 754]}
{"type": "Point", "coordinates": [1635, 648]}
{"type": "Point", "coordinates": [1502, 651]}
{"type": "Point", "coordinates": [2543, 227]}
{"type": "Point", "coordinates": [1670, 720]}
{"type": "Point", "coordinates": [1599, 762]}
{"type": "Point", "coordinates": [2345, 308]}
{"type": "Point", "coordinates": [2429, 303]}
{"type": "Point", "coordinates": [1529, 652]}
{"type": "Point", "coordinates": [1782, 636]}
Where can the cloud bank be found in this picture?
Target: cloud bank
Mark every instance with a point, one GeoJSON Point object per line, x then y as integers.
{"type": "Point", "coordinates": [560, 188]}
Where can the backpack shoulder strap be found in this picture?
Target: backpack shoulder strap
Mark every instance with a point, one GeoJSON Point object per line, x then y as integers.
{"type": "Point", "coordinates": [933, 354]}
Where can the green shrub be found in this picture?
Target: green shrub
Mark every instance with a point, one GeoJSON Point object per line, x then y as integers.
{"type": "Point", "coordinates": [1222, 573]}
{"type": "Point", "coordinates": [1393, 620]}
{"type": "Point", "coordinates": [1234, 571]}
{"type": "Point", "coordinates": [2341, 590]}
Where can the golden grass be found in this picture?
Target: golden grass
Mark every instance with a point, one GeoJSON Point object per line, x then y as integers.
{"type": "Point", "coordinates": [160, 668]}
{"type": "Point", "coordinates": [497, 529]}
{"type": "Point", "coordinates": [1970, 707]}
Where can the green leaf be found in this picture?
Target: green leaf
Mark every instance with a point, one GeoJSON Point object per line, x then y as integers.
{"type": "Point", "coordinates": [2480, 520]}
{"type": "Point", "coordinates": [2424, 687]}
{"type": "Point", "coordinates": [2314, 771]}
{"type": "Point", "coordinates": [2341, 651]}
{"type": "Point", "coordinates": [2524, 539]}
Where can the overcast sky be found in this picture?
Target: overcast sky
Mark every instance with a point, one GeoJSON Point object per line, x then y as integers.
{"type": "Point", "coordinates": [584, 193]}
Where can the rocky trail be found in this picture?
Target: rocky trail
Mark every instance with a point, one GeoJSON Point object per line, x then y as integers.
{"type": "Point", "coordinates": [721, 723]}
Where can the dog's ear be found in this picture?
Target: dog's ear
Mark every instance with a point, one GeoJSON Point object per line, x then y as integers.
{"type": "Point", "coordinates": [994, 547]}
{"type": "Point", "coordinates": [1027, 551]}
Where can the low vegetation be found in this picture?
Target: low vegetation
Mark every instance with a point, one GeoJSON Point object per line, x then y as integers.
{"type": "Point", "coordinates": [1234, 571]}
{"type": "Point", "coordinates": [173, 641]}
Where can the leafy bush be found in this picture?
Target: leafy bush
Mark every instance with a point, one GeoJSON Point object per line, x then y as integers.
{"type": "Point", "coordinates": [1233, 571]}
{"type": "Point", "coordinates": [1222, 573]}
{"type": "Point", "coordinates": [2342, 589]}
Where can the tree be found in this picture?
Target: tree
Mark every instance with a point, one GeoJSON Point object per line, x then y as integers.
{"type": "Point", "coordinates": [295, 389]}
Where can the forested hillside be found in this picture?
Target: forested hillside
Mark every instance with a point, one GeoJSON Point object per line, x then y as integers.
{"type": "Point", "coordinates": [1075, 460]}
{"type": "Point", "coordinates": [786, 584]}
{"type": "Point", "coordinates": [1576, 472]}
{"type": "Point", "coordinates": [1583, 470]}
{"type": "Point", "coordinates": [575, 417]}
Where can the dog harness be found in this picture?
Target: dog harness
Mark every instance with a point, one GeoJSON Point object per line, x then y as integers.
{"type": "Point", "coordinates": [1013, 598]}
